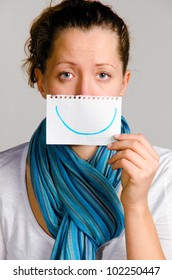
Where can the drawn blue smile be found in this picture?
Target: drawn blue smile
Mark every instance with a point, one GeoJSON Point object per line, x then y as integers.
{"type": "Point", "coordinates": [86, 133]}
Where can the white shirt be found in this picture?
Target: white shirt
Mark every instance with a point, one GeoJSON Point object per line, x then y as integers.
{"type": "Point", "coordinates": [21, 237]}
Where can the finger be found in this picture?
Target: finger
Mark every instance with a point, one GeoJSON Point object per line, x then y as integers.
{"type": "Point", "coordinates": [135, 146]}
{"type": "Point", "coordinates": [141, 139]}
{"type": "Point", "coordinates": [131, 156]}
{"type": "Point", "coordinates": [127, 166]}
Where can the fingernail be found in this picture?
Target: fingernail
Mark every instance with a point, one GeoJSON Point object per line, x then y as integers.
{"type": "Point", "coordinates": [109, 145]}
{"type": "Point", "coordinates": [116, 136]}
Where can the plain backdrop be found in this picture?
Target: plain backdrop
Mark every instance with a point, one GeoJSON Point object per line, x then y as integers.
{"type": "Point", "coordinates": [148, 101]}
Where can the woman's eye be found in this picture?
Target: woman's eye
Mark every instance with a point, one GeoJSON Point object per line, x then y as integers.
{"type": "Point", "coordinates": [103, 76]}
{"type": "Point", "coordinates": [66, 75]}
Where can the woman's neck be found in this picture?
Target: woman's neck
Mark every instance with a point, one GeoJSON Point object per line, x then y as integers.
{"type": "Point", "coordinates": [84, 152]}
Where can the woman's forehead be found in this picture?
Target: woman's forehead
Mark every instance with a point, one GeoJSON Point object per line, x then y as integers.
{"type": "Point", "coordinates": [85, 49]}
{"type": "Point", "coordinates": [93, 40]}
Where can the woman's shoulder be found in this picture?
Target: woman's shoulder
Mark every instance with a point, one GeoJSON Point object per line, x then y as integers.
{"type": "Point", "coordinates": [12, 155]}
{"type": "Point", "coordinates": [163, 152]}
{"type": "Point", "coordinates": [165, 160]}
{"type": "Point", "coordinates": [161, 190]}
{"type": "Point", "coordinates": [12, 164]}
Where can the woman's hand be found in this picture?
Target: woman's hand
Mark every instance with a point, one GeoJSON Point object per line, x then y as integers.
{"type": "Point", "coordinates": [139, 163]}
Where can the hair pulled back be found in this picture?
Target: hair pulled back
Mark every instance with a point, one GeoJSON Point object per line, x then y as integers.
{"type": "Point", "coordinates": [71, 14]}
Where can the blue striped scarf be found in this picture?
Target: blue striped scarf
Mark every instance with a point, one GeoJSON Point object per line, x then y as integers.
{"type": "Point", "coordinates": [78, 199]}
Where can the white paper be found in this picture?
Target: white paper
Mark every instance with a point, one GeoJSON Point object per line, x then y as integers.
{"type": "Point", "coordinates": [82, 120]}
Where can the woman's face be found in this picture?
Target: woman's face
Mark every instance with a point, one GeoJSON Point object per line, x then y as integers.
{"type": "Point", "coordinates": [84, 63]}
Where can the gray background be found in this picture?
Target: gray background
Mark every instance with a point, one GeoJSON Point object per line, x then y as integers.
{"type": "Point", "coordinates": [148, 101]}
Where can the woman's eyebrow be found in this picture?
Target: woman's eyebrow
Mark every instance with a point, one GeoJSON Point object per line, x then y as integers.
{"type": "Point", "coordinates": [66, 62]}
{"type": "Point", "coordinates": [105, 64]}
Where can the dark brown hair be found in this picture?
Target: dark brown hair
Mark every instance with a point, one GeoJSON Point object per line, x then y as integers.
{"type": "Point", "coordinates": [71, 14]}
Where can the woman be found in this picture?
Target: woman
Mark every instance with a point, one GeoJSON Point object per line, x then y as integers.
{"type": "Point", "coordinates": [73, 202]}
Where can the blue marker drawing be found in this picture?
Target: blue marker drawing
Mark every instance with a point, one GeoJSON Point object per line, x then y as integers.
{"type": "Point", "coordinates": [86, 133]}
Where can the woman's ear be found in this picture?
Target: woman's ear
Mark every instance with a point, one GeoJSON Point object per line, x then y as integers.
{"type": "Point", "coordinates": [126, 79]}
{"type": "Point", "coordinates": [40, 82]}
